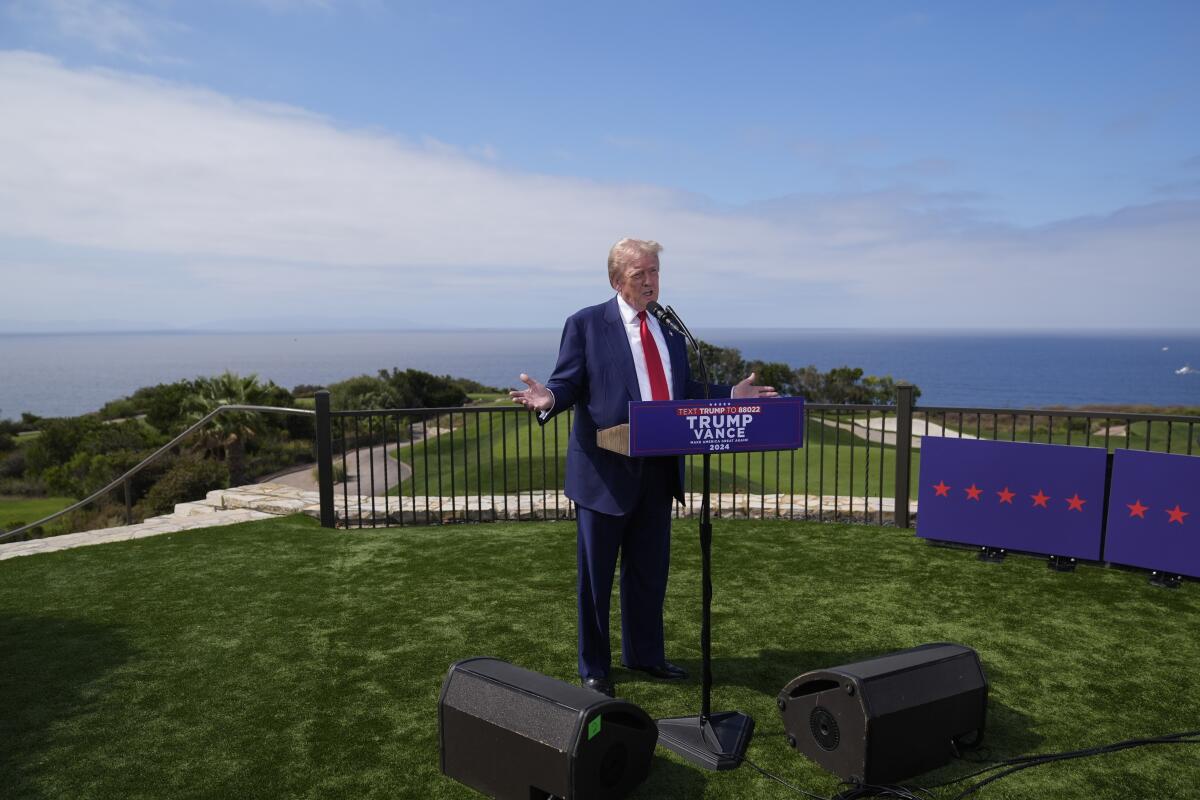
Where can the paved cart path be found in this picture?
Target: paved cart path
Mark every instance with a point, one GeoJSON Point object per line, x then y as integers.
{"type": "Point", "coordinates": [884, 429]}
{"type": "Point", "coordinates": [360, 462]}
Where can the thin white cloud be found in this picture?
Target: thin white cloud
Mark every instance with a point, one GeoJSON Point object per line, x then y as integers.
{"type": "Point", "coordinates": [110, 27]}
{"type": "Point", "coordinates": [247, 206]}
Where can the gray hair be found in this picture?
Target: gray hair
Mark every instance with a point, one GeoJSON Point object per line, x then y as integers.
{"type": "Point", "coordinates": [625, 251]}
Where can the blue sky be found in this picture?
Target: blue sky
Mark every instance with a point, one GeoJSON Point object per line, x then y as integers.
{"type": "Point", "coordinates": [247, 164]}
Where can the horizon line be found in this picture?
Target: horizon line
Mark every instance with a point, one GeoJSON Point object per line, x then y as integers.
{"type": "Point", "coordinates": [1194, 329]}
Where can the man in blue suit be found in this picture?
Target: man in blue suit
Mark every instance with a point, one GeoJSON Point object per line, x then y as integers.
{"type": "Point", "coordinates": [610, 354]}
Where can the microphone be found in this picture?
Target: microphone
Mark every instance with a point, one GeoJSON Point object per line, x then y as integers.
{"type": "Point", "coordinates": [665, 317]}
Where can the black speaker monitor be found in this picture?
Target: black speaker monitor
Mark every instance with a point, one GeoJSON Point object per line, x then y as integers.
{"type": "Point", "coordinates": [888, 718]}
{"type": "Point", "coordinates": [515, 734]}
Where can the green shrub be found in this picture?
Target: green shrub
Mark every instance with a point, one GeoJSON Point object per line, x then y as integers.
{"type": "Point", "coordinates": [306, 390]}
{"type": "Point", "coordinates": [163, 404]}
{"type": "Point", "coordinates": [13, 464]}
{"type": "Point", "coordinates": [395, 388]}
{"type": "Point", "coordinates": [363, 391]}
{"type": "Point", "coordinates": [60, 440]}
{"type": "Point", "coordinates": [88, 472]}
{"type": "Point", "coordinates": [90, 518]}
{"type": "Point", "coordinates": [33, 533]}
{"type": "Point", "coordinates": [23, 487]}
{"type": "Point", "coordinates": [132, 434]}
{"type": "Point", "coordinates": [475, 387]}
{"type": "Point", "coordinates": [190, 478]}
{"type": "Point", "coordinates": [417, 389]}
{"type": "Point", "coordinates": [773, 373]}
{"type": "Point", "coordinates": [838, 385]}
{"type": "Point", "coordinates": [123, 408]}
{"type": "Point", "coordinates": [268, 456]}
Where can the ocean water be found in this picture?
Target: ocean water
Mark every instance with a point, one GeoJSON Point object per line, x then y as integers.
{"type": "Point", "coordinates": [69, 374]}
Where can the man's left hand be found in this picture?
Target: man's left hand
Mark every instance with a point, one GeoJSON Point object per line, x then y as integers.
{"type": "Point", "coordinates": [747, 389]}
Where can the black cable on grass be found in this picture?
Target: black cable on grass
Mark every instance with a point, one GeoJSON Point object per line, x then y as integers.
{"type": "Point", "coordinates": [781, 781]}
{"type": "Point", "coordinates": [896, 792]}
{"type": "Point", "coordinates": [1037, 763]}
{"type": "Point", "coordinates": [855, 791]}
{"type": "Point", "coordinates": [1019, 763]}
{"type": "Point", "coordinates": [1007, 767]}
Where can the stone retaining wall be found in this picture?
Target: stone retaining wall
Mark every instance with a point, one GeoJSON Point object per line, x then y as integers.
{"type": "Point", "coordinates": [355, 510]}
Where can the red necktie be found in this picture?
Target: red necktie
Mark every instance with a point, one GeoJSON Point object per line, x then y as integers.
{"type": "Point", "coordinates": [658, 378]}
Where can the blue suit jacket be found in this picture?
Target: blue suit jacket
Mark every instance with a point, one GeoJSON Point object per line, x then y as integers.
{"type": "Point", "coordinates": [595, 374]}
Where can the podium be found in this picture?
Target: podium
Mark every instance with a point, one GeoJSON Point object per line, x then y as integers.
{"type": "Point", "coordinates": [715, 741]}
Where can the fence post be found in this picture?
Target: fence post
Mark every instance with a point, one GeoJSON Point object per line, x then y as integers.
{"type": "Point", "coordinates": [325, 459]}
{"type": "Point", "coordinates": [128, 502]}
{"type": "Point", "coordinates": [904, 411]}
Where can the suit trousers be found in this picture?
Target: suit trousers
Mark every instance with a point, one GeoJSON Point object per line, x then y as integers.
{"type": "Point", "coordinates": [642, 539]}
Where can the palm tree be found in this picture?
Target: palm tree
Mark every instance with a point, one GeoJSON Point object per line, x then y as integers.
{"type": "Point", "coordinates": [226, 434]}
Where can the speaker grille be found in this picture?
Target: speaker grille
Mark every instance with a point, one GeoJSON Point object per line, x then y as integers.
{"type": "Point", "coordinates": [513, 734]}
{"type": "Point", "coordinates": [512, 709]}
{"type": "Point", "coordinates": [824, 728]}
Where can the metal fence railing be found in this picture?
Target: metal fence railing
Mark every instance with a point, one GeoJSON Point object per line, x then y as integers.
{"type": "Point", "coordinates": [424, 465]}
{"type": "Point", "coordinates": [494, 462]}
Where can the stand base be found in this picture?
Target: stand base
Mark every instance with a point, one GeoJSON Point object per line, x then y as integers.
{"type": "Point", "coordinates": [1061, 563]}
{"type": "Point", "coordinates": [717, 743]}
{"type": "Point", "coordinates": [992, 555]}
{"type": "Point", "coordinates": [1165, 580]}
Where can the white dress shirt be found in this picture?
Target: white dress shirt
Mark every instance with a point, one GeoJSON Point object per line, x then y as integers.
{"type": "Point", "coordinates": [633, 331]}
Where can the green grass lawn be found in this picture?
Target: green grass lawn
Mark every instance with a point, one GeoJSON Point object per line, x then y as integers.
{"type": "Point", "coordinates": [29, 509]}
{"type": "Point", "coordinates": [278, 659]}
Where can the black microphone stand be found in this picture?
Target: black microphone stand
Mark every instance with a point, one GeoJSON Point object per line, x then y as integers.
{"type": "Point", "coordinates": [713, 741]}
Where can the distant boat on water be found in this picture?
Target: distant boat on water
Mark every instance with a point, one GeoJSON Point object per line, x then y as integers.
{"type": "Point", "coordinates": [1186, 370]}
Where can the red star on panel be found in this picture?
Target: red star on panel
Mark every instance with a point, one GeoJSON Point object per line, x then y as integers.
{"type": "Point", "coordinates": [1177, 514]}
{"type": "Point", "coordinates": [1006, 496]}
{"type": "Point", "coordinates": [1136, 509]}
{"type": "Point", "coordinates": [973, 492]}
{"type": "Point", "coordinates": [1040, 499]}
{"type": "Point", "coordinates": [942, 489]}
{"type": "Point", "coordinates": [1075, 503]}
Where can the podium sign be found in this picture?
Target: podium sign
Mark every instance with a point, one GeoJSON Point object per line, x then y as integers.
{"type": "Point", "coordinates": [686, 427]}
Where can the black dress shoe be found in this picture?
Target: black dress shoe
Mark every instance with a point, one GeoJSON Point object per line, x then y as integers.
{"type": "Point", "coordinates": [665, 671]}
{"type": "Point", "coordinates": [601, 685]}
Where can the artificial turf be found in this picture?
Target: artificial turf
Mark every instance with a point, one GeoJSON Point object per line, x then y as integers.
{"type": "Point", "coordinates": [278, 659]}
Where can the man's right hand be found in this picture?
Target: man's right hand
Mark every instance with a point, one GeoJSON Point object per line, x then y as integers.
{"type": "Point", "coordinates": [536, 398]}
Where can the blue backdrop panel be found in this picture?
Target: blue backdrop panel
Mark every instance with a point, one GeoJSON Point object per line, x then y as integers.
{"type": "Point", "coordinates": [1154, 512]}
{"type": "Point", "coordinates": [1040, 498]}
